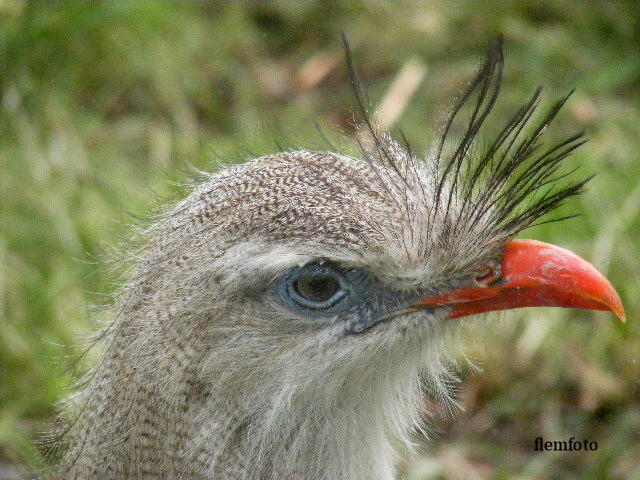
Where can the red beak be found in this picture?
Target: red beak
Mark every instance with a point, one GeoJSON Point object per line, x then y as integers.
{"type": "Point", "coordinates": [535, 274]}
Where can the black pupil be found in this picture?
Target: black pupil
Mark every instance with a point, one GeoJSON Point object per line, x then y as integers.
{"type": "Point", "coordinates": [318, 288]}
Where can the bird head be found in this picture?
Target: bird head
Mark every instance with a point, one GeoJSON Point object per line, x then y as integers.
{"type": "Point", "coordinates": [330, 262]}
{"type": "Point", "coordinates": [314, 291]}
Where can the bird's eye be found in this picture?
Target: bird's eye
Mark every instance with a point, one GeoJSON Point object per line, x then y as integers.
{"type": "Point", "coordinates": [318, 288]}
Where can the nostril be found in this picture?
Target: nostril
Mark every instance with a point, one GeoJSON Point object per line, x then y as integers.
{"type": "Point", "coordinates": [487, 276]}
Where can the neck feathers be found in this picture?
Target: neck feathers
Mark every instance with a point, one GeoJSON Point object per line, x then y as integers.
{"type": "Point", "coordinates": [149, 412]}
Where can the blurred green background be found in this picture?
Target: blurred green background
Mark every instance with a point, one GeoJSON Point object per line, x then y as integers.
{"type": "Point", "coordinates": [103, 104]}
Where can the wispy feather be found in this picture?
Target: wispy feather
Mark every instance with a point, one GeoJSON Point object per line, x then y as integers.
{"type": "Point", "coordinates": [505, 186]}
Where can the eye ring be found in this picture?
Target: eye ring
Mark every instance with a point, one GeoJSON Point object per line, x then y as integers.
{"type": "Point", "coordinates": [315, 289]}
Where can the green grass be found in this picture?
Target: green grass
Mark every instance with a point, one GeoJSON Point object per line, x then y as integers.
{"type": "Point", "coordinates": [101, 106]}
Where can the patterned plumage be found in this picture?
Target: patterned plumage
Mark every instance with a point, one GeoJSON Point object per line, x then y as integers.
{"type": "Point", "coordinates": [206, 374]}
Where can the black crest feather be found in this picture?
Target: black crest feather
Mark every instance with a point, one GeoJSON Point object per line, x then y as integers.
{"type": "Point", "coordinates": [505, 186]}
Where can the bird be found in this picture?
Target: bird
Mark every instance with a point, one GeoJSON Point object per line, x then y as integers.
{"type": "Point", "coordinates": [286, 318]}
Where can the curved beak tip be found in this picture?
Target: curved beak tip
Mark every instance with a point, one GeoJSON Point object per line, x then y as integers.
{"type": "Point", "coordinates": [619, 312]}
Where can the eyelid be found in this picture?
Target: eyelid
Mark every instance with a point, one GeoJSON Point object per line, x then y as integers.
{"type": "Point", "coordinates": [319, 305]}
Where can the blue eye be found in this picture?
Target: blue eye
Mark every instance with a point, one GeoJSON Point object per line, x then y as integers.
{"type": "Point", "coordinates": [316, 289]}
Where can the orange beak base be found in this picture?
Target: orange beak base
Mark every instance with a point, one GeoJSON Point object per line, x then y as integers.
{"type": "Point", "coordinates": [535, 274]}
